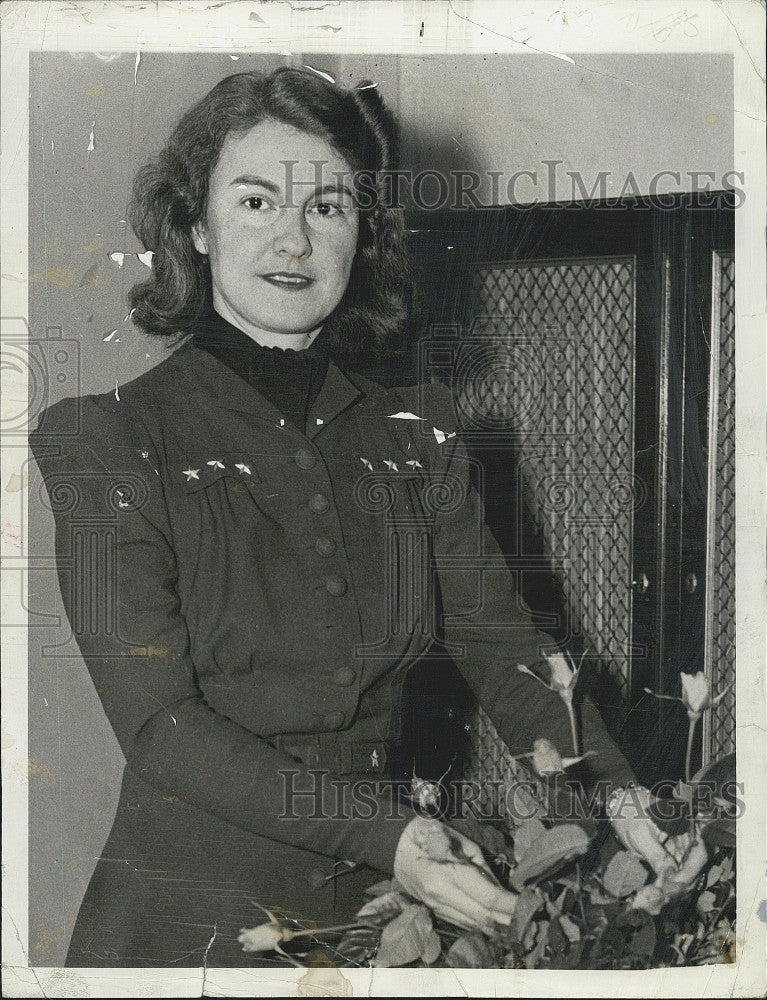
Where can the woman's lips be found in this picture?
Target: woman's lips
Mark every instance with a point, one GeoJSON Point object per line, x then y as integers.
{"type": "Point", "coordinates": [283, 279]}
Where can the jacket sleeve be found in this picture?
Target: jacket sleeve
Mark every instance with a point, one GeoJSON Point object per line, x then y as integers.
{"type": "Point", "coordinates": [483, 615]}
{"type": "Point", "coordinates": [117, 573]}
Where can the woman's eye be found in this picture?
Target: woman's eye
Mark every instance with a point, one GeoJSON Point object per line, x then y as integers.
{"type": "Point", "coordinates": [256, 203]}
{"type": "Point", "coordinates": [326, 209]}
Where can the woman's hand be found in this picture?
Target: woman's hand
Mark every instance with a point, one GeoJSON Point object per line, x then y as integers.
{"type": "Point", "coordinates": [447, 871]}
{"type": "Point", "coordinates": [676, 861]}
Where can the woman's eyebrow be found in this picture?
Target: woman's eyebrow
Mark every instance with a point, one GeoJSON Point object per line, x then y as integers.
{"type": "Point", "coordinates": [334, 189]}
{"type": "Point", "coordinates": [255, 181]}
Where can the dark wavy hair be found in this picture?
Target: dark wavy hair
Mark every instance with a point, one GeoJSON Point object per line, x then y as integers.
{"type": "Point", "coordinates": [170, 196]}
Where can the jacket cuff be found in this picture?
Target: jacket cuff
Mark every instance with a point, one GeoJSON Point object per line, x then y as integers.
{"type": "Point", "coordinates": [384, 832]}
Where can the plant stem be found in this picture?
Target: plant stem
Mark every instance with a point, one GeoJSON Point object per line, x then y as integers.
{"type": "Point", "coordinates": [688, 755]}
{"type": "Point", "coordinates": [573, 729]}
{"type": "Point", "coordinates": [290, 935]}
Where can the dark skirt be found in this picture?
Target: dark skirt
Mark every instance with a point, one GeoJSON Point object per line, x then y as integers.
{"type": "Point", "coordinates": [174, 886]}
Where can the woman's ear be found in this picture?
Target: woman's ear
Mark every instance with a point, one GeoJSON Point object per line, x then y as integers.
{"type": "Point", "coordinates": [198, 238]}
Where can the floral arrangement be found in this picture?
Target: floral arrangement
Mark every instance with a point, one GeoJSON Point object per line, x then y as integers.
{"type": "Point", "coordinates": [638, 897]}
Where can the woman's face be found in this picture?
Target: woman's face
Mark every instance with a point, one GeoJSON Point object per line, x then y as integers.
{"type": "Point", "coordinates": [280, 230]}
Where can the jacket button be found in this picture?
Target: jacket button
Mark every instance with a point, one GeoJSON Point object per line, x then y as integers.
{"type": "Point", "coordinates": [319, 503]}
{"type": "Point", "coordinates": [344, 676]}
{"type": "Point", "coordinates": [336, 585]}
{"type": "Point", "coordinates": [325, 546]}
{"type": "Point", "coordinates": [335, 720]}
{"type": "Point", "coordinates": [318, 879]}
{"type": "Point", "coordinates": [305, 459]}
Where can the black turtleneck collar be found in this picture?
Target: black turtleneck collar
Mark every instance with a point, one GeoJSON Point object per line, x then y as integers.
{"type": "Point", "coordinates": [290, 380]}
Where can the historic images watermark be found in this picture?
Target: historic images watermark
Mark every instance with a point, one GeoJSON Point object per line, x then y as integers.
{"type": "Point", "coordinates": [317, 795]}
{"type": "Point", "coordinates": [457, 190]}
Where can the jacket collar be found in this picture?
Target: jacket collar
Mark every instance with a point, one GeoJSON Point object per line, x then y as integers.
{"type": "Point", "coordinates": [204, 373]}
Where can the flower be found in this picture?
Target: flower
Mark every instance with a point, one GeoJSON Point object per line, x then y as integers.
{"type": "Point", "coordinates": [265, 937]}
{"type": "Point", "coordinates": [696, 694]}
{"type": "Point", "coordinates": [546, 758]}
{"type": "Point", "coordinates": [563, 676]}
{"type": "Point", "coordinates": [563, 681]}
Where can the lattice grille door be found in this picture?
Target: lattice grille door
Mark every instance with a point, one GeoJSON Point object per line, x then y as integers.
{"type": "Point", "coordinates": [572, 326]}
{"type": "Point", "coordinates": [719, 731]}
{"type": "Point", "coordinates": [562, 335]}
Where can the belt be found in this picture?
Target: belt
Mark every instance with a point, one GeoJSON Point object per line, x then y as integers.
{"type": "Point", "coordinates": [340, 756]}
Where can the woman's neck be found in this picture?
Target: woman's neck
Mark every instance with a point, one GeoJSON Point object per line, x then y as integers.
{"type": "Point", "coordinates": [269, 338]}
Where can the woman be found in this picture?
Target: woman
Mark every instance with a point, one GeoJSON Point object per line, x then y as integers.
{"type": "Point", "coordinates": [253, 496]}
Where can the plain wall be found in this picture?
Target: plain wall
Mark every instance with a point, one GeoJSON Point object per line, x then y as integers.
{"type": "Point", "coordinates": [620, 114]}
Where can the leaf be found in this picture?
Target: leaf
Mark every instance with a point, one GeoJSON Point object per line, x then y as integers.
{"type": "Point", "coordinates": [485, 834]}
{"type": "Point", "coordinates": [719, 833]}
{"type": "Point", "coordinates": [552, 849]}
{"type": "Point", "coordinates": [569, 960]}
{"type": "Point", "coordinates": [624, 874]}
{"type": "Point", "coordinates": [643, 943]}
{"type": "Point", "coordinates": [636, 928]}
{"type": "Point", "coordinates": [571, 929]}
{"type": "Point", "coordinates": [532, 960]}
{"type": "Point", "coordinates": [719, 772]}
{"type": "Point", "coordinates": [359, 945]}
{"type": "Point", "coordinates": [529, 902]}
{"type": "Point", "coordinates": [565, 951]}
{"type": "Point", "coordinates": [432, 948]}
{"type": "Point", "coordinates": [408, 937]}
{"type": "Point", "coordinates": [683, 792]}
{"type": "Point", "coordinates": [726, 867]}
{"type": "Point", "coordinates": [471, 951]}
{"type": "Point", "coordinates": [528, 939]}
{"type": "Point", "coordinates": [598, 899]}
{"type": "Point", "coordinates": [706, 902]}
{"type": "Point", "coordinates": [380, 888]}
{"type": "Point", "coordinates": [381, 909]}
{"type": "Point", "coordinates": [568, 882]}
{"type": "Point", "coordinates": [559, 902]}
{"type": "Point", "coordinates": [557, 939]}
{"type": "Point", "coordinates": [525, 836]}
{"type": "Point", "coordinates": [714, 875]}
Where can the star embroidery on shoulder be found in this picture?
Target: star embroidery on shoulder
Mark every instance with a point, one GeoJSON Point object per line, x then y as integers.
{"type": "Point", "coordinates": [215, 464]}
{"type": "Point", "coordinates": [414, 463]}
{"type": "Point", "coordinates": [242, 467]}
{"type": "Point", "coordinates": [392, 466]}
{"type": "Point", "coordinates": [374, 758]}
{"type": "Point", "coordinates": [191, 474]}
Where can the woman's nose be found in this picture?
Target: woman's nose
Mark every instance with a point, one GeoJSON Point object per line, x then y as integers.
{"type": "Point", "coordinates": [292, 239]}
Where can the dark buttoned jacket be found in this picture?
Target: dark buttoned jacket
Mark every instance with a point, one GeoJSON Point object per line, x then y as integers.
{"type": "Point", "coordinates": [242, 593]}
